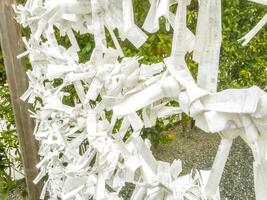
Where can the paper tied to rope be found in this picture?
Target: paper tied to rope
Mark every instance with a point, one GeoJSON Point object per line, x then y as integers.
{"type": "Point", "coordinates": [78, 15]}
{"type": "Point", "coordinates": [62, 128]}
{"type": "Point", "coordinates": [89, 116]}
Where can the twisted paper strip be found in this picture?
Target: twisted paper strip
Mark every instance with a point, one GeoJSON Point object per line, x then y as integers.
{"type": "Point", "coordinates": [88, 152]}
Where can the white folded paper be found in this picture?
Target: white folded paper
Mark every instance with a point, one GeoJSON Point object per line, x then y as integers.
{"type": "Point", "coordinates": [89, 116]}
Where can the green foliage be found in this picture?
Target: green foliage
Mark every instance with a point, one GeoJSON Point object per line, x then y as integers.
{"type": "Point", "coordinates": [161, 132]}
{"type": "Point", "coordinates": [2, 71]}
{"type": "Point", "coordinates": [242, 66]}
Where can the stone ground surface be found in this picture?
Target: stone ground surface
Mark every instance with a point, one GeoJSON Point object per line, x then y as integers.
{"type": "Point", "coordinates": [17, 193]}
{"type": "Point", "coordinates": [197, 150]}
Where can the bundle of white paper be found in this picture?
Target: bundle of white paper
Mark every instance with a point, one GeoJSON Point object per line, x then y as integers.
{"type": "Point", "coordinates": [89, 116]}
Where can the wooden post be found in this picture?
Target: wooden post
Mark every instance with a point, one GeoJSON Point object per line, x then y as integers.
{"type": "Point", "coordinates": [17, 81]}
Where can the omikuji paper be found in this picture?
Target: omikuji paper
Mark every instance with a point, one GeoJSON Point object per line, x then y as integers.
{"type": "Point", "coordinates": [89, 116]}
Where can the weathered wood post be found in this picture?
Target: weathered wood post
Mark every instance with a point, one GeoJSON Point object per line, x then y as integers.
{"type": "Point", "coordinates": [17, 81]}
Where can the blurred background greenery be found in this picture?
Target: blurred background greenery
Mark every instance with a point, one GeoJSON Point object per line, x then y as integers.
{"type": "Point", "coordinates": [239, 67]}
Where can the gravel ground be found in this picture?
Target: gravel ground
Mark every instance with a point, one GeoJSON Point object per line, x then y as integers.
{"type": "Point", "coordinates": [197, 150]}
{"type": "Point", "coordinates": [14, 195]}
